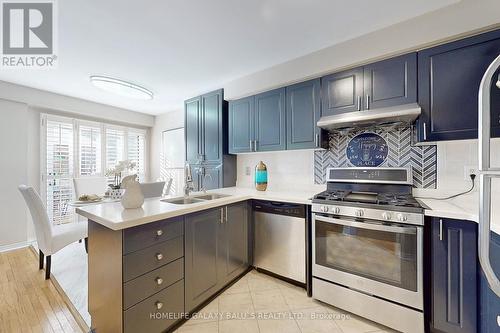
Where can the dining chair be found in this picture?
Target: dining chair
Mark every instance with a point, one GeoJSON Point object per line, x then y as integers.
{"type": "Point", "coordinates": [50, 238]}
{"type": "Point", "coordinates": [152, 190]}
{"type": "Point", "coordinates": [90, 185]}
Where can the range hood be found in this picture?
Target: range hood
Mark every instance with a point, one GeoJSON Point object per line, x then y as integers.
{"type": "Point", "coordinates": [406, 114]}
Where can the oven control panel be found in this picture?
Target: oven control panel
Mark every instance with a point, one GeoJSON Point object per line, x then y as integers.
{"type": "Point", "coordinates": [370, 214]}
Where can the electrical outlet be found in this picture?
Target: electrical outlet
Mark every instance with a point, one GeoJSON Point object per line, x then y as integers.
{"type": "Point", "coordinates": [248, 171]}
{"type": "Point", "coordinates": [469, 170]}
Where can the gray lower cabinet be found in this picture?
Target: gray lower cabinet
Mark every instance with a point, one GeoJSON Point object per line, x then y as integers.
{"type": "Point", "coordinates": [216, 251]}
{"type": "Point", "coordinates": [233, 242]}
{"type": "Point", "coordinates": [201, 256]}
{"type": "Point", "coordinates": [136, 277]}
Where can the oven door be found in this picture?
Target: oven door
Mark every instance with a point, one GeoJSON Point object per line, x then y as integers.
{"type": "Point", "coordinates": [376, 258]}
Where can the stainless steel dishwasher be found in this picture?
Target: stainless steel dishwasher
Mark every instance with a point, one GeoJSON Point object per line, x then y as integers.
{"type": "Point", "coordinates": [280, 239]}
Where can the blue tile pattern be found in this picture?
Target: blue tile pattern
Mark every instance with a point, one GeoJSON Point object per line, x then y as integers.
{"type": "Point", "coordinates": [422, 159]}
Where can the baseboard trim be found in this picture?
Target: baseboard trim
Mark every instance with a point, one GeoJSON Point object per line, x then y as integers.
{"type": "Point", "coordinates": [14, 246]}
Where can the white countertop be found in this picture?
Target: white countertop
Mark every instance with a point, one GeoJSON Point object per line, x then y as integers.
{"type": "Point", "coordinates": [465, 207]}
{"type": "Point", "coordinates": [115, 217]}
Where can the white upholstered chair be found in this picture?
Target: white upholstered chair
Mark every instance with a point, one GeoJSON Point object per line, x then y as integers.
{"type": "Point", "coordinates": [50, 238]}
{"type": "Point", "coordinates": [90, 185]}
{"type": "Point", "coordinates": [152, 190]}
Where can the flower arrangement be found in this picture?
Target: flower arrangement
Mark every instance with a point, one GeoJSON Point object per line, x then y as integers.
{"type": "Point", "coordinates": [116, 172]}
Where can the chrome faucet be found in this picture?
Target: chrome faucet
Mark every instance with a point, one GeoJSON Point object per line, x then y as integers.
{"type": "Point", "coordinates": [188, 185]}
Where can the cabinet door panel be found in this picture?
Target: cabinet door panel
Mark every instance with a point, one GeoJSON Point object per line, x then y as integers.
{"type": "Point", "coordinates": [449, 77]}
{"type": "Point", "coordinates": [234, 242]}
{"type": "Point", "coordinates": [302, 114]}
{"type": "Point", "coordinates": [241, 124]}
{"type": "Point", "coordinates": [454, 275]}
{"type": "Point", "coordinates": [390, 82]}
{"type": "Point", "coordinates": [201, 256]}
{"type": "Point", "coordinates": [212, 126]}
{"type": "Point", "coordinates": [192, 109]}
{"type": "Point", "coordinates": [270, 120]}
{"type": "Point", "coordinates": [341, 92]}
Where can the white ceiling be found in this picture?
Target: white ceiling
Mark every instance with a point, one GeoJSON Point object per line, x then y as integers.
{"type": "Point", "coordinates": [181, 48]}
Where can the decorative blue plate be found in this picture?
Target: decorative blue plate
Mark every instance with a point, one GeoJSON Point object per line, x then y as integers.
{"type": "Point", "coordinates": [367, 150]}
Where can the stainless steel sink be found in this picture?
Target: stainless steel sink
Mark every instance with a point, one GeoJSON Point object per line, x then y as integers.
{"type": "Point", "coordinates": [195, 199]}
{"type": "Point", "coordinates": [211, 196]}
{"type": "Point", "coordinates": [183, 201]}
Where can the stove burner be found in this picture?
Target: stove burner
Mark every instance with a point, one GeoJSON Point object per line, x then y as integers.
{"type": "Point", "coordinates": [386, 199]}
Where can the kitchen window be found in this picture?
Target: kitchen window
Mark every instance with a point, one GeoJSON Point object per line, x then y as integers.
{"type": "Point", "coordinates": [77, 148]}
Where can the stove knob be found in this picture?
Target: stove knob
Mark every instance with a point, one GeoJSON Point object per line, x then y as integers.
{"type": "Point", "coordinates": [324, 209]}
{"type": "Point", "coordinates": [387, 216]}
{"type": "Point", "coordinates": [402, 218]}
{"type": "Point", "coordinates": [336, 210]}
{"type": "Point", "coordinates": [360, 213]}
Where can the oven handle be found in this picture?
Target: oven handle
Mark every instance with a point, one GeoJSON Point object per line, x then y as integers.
{"type": "Point", "coordinates": [370, 226]}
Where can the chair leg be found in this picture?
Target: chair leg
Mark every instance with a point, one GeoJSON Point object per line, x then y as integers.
{"type": "Point", "coordinates": [47, 268]}
{"type": "Point", "coordinates": [87, 245]}
{"type": "Point", "coordinates": [40, 258]}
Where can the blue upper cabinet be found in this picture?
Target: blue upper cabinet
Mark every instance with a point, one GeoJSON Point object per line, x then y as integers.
{"type": "Point", "coordinates": [382, 84]}
{"type": "Point", "coordinates": [241, 125]}
{"type": "Point", "coordinates": [390, 82]}
{"type": "Point", "coordinates": [192, 130]}
{"type": "Point", "coordinates": [342, 92]}
{"type": "Point", "coordinates": [448, 78]}
{"type": "Point", "coordinates": [211, 106]}
{"type": "Point", "coordinates": [270, 121]}
{"type": "Point", "coordinates": [302, 114]}
{"type": "Point", "coordinates": [454, 276]}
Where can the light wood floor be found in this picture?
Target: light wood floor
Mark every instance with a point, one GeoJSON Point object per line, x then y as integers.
{"type": "Point", "coordinates": [28, 302]}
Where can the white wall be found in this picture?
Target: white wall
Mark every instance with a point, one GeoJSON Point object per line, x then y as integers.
{"type": "Point", "coordinates": [163, 122]}
{"type": "Point", "coordinates": [14, 171]}
{"type": "Point", "coordinates": [462, 18]}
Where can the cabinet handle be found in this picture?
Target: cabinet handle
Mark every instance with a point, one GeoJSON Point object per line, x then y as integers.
{"type": "Point", "coordinates": [222, 216]}
{"type": "Point", "coordinates": [359, 103]}
{"type": "Point", "coordinates": [254, 145]}
{"type": "Point", "coordinates": [159, 280]}
{"type": "Point", "coordinates": [250, 145]}
{"type": "Point", "coordinates": [159, 232]}
{"type": "Point", "coordinates": [158, 305]}
{"type": "Point", "coordinates": [316, 140]}
{"type": "Point", "coordinates": [440, 229]}
{"type": "Point", "coordinates": [159, 256]}
{"type": "Point", "coordinates": [225, 219]}
{"type": "Point", "coordinates": [367, 102]}
{"type": "Point", "coordinates": [425, 131]}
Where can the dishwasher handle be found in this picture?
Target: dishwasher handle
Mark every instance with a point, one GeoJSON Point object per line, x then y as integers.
{"type": "Point", "coordinates": [279, 208]}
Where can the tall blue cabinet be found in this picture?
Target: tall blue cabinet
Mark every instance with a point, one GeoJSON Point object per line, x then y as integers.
{"type": "Point", "coordinates": [206, 136]}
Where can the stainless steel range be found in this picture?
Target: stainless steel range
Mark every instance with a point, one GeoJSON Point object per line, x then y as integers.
{"type": "Point", "coordinates": [368, 246]}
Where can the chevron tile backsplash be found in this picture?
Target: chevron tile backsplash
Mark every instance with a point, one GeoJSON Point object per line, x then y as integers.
{"type": "Point", "coordinates": [422, 159]}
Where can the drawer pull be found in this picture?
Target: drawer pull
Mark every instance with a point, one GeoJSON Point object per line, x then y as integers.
{"type": "Point", "coordinates": [159, 280]}
{"type": "Point", "coordinates": [159, 256]}
{"type": "Point", "coordinates": [159, 232]}
{"type": "Point", "coordinates": [159, 305]}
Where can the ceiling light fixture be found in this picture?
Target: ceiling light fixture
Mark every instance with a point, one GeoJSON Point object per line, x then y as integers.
{"type": "Point", "coordinates": [120, 87]}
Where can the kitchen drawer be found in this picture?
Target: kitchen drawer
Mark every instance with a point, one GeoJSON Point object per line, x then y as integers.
{"type": "Point", "coordinates": [143, 236]}
{"type": "Point", "coordinates": [146, 317]}
{"type": "Point", "coordinates": [150, 283]}
{"type": "Point", "coordinates": [153, 257]}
